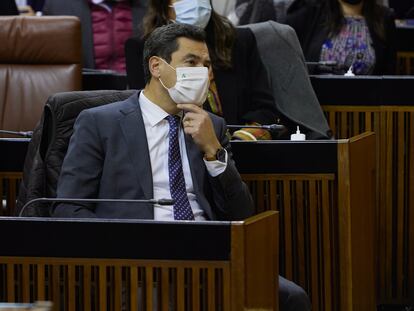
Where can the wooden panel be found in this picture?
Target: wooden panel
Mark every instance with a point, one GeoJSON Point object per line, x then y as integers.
{"type": "Point", "coordinates": [393, 127]}
{"type": "Point", "coordinates": [326, 207]}
{"type": "Point", "coordinates": [307, 229]}
{"type": "Point", "coordinates": [9, 185]}
{"type": "Point", "coordinates": [119, 283]}
{"type": "Point", "coordinates": [255, 263]}
{"type": "Point", "coordinates": [356, 180]}
{"type": "Point", "coordinates": [405, 63]}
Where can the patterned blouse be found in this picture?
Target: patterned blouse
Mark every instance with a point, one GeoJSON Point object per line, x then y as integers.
{"type": "Point", "coordinates": [351, 47]}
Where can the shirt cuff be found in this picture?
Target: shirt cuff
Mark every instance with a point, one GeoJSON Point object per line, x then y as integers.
{"type": "Point", "coordinates": [215, 168]}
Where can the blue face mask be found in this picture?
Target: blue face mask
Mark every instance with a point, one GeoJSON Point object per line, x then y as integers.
{"type": "Point", "coordinates": [193, 12]}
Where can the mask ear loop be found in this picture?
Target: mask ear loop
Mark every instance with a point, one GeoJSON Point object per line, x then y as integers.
{"type": "Point", "coordinates": [163, 84]}
{"type": "Point", "coordinates": [159, 78]}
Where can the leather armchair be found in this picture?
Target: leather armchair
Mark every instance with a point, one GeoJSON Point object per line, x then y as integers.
{"type": "Point", "coordinates": [39, 56]}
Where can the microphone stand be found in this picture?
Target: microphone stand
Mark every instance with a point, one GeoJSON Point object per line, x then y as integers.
{"type": "Point", "coordinates": [68, 200]}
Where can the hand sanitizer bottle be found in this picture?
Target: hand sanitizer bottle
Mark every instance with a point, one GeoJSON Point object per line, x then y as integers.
{"type": "Point", "coordinates": [298, 135]}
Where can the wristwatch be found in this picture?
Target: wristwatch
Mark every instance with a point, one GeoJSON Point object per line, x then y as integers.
{"type": "Point", "coordinates": [220, 156]}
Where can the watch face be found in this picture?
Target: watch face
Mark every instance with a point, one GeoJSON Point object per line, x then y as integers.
{"type": "Point", "coordinates": [221, 155]}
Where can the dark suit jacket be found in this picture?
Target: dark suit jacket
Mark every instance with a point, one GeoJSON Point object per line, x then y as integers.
{"type": "Point", "coordinates": [244, 89]}
{"type": "Point", "coordinates": [280, 51]}
{"type": "Point", "coordinates": [307, 17]}
{"type": "Point", "coordinates": [81, 9]}
{"type": "Point", "coordinates": [108, 157]}
{"type": "Point", "coordinates": [8, 7]}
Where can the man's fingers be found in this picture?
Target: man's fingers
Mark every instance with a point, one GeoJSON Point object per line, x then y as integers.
{"type": "Point", "coordinates": [190, 116]}
{"type": "Point", "coordinates": [189, 130]}
{"type": "Point", "coordinates": [190, 107]}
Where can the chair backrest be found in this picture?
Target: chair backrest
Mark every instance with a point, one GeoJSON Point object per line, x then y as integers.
{"type": "Point", "coordinates": [282, 55]}
{"type": "Point", "coordinates": [50, 141]}
{"type": "Point", "coordinates": [39, 56]}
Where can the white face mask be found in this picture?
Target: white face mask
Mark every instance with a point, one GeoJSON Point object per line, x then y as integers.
{"type": "Point", "coordinates": [193, 12]}
{"type": "Point", "coordinates": [191, 86]}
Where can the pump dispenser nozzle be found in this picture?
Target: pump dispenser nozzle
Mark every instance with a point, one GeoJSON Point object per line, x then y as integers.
{"type": "Point", "coordinates": [298, 135]}
{"type": "Point", "coordinates": [349, 73]}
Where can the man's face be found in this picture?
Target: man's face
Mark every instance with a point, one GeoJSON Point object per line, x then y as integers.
{"type": "Point", "coordinates": [190, 53]}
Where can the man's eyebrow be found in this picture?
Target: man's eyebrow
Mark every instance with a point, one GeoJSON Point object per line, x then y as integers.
{"type": "Point", "coordinates": [191, 56]}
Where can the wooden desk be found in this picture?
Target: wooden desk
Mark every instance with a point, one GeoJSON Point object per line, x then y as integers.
{"type": "Point", "coordinates": [107, 264]}
{"type": "Point", "coordinates": [384, 105]}
{"type": "Point", "coordinates": [315, 184]}
{"type": "Point", "coordinates": [325, 193]}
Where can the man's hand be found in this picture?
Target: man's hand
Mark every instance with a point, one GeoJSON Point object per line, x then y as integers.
{"type": "Point", "coordinates": [197, 123]}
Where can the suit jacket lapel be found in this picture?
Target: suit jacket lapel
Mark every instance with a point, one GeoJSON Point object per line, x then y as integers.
{"type": "Point", "coordinates": [133, 129]}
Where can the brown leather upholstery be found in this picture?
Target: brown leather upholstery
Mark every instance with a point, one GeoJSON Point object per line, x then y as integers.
{"type": "Point", "coordinates": [39, 56]}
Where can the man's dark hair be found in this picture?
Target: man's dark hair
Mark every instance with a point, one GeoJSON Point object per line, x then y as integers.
{"type": "Point", "coordinates": [220, 33]}
{"type": "Point", "coordinates": [163, 42]}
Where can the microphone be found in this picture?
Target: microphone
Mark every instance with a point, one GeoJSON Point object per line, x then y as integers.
{"type": "Point", "coordinates": [269, 127]}
{"type": "Point", "coordinates": [322, 63]}
{"type": "Point", "coordinates": [24, 134]}
{"type": "Point", "coordinates": [69, 200]}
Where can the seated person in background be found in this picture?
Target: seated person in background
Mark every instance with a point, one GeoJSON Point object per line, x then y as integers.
{"type": "Point", "coordinates": [147, 147]}
{"type": "Point", "coordinates": [356, 34]}
{"type": "Point", "coordinates": [239, 89]}
{"type": "Point", "coordinates": [256, 11]}
{"type": "Point", "coordinates": [8, 7]}
{"type": "Point", "coordinates": [106, 25]}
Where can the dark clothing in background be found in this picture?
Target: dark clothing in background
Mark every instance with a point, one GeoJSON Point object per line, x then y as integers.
{"type": "Point", "coordinates": [402, 8]}
{"type": "Point", "coordinates": [308, 17]}
{"type": "Point", "coordinates": [282, 56]}
{"type": "Point", "coordinates": [37, 5]}
{"type": "Point", "coordinates": [243, 90]}
{"type": "Point", "coordinates": [8, 7]}
{"type": "Point", "coordinates": [256, 11]}
{"type": "Point", "coordinates": [81, 9]}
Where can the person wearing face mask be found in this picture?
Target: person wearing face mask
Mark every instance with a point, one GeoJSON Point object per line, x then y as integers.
{"type": "Point", "coordinates": [356, 34]}
{"type": "Point", "coordinates": [159, 143]}
{"type": "Point", "coordinates": [239, 90]}
{"type": "Point", "coordinates": [106, 25]}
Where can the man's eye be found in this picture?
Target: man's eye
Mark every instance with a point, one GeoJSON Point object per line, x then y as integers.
{"type": "Point", "coordinates": [191, 62]}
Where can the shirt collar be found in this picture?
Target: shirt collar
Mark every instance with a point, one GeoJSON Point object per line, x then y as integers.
{"type": "Point", "coordinates": [152, 112]}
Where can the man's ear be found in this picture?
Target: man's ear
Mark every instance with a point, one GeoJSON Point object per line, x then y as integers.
{"type": "Point", "coordinates": [154, 66]}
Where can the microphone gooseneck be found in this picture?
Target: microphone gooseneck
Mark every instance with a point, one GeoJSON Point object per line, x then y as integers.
{"type": "Point", "coordinates": [16, 133]}
{"type": "Point", "coordinates": [269, 127]}
{"type": "Point", "coordinates": [69, 200]}
{"type": "Point", "coordinates": [322, 63]}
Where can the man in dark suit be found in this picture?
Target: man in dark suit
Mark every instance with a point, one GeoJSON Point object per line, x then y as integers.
{"type": "Point", "coordinates": [123, 150]}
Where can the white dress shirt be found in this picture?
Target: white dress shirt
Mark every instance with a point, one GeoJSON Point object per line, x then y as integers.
{"type": "Point", "coordinates": [157, 129]}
